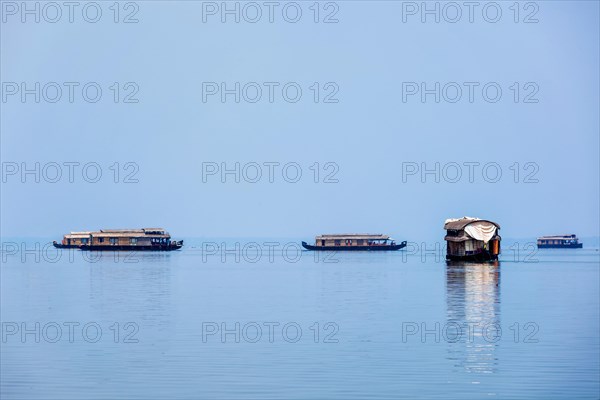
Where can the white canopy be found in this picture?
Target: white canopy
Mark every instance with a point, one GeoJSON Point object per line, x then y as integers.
{"type": "Point", "coordinates": [481, 230]}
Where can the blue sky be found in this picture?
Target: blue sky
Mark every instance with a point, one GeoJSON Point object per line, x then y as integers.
{"type": "Point", "coordinates": [369, 134]}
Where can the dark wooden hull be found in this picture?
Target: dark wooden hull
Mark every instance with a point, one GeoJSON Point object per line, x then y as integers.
{"type": "Point", "coordinates": [354, 248]}
{"type": "Point", "coordinates": [65, 246]}
{"type": "Point", "coordinates": [163, 247]}
{"type": "Point", "coordinates": [479, 257]}
{"type": "Point", "coordinates": [560, 246]}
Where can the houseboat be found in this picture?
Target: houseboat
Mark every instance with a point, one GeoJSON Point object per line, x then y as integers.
{"type": "Point", "coordinates": [472, 239]}
{"type": "Point", "coordinates": [354, 241]}
{"type": "Point", "coordinates": [145, 239]}
{"type": "Point", "coordinates": [559, 242]}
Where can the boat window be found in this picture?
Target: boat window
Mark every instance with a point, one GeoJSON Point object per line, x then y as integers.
{"type": "Point", "coordinates": [337, 242]}
{"type": "Point", "coordinates": [133, 240]}
{"type": "Point", "coordinates": [360, 242]}
{"type": "Point", "coordinates": [113, 240]}
{"type": "Point", "coordinates": [100, 240]}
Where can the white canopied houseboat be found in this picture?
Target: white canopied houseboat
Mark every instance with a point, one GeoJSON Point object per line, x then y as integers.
{"type": "Point", "coordinates": [472, 239]}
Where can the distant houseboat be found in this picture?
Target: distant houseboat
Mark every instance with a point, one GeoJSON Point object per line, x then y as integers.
{"type": "Point", "coordinates": [354, 241]}
{"type": "Point", "coordinates": [146, 239]}
{"type": "Point", "coordinates": [559, 242]}
{"type": "Point", "coordinates": [472, 239]}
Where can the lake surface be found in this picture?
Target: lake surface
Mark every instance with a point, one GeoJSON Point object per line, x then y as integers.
{"type": "Point", "coordinates": [199, 323]}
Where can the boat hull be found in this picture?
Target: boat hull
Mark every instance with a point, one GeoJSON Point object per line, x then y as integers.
{"type": "Point", "coordinates": [165, 247]}
{"type": "Point", "coordinates": [479, 257]}
{"type": "Point", "coordinates": [65, 246]}
{"type": "Point", "coordinates": [354, 248]}
{"type": "Point", "coordinates": [560, 246]}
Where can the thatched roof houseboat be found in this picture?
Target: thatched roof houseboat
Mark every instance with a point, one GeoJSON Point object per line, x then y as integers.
{"type": "Point", "coordinates": [120, 239]}
{"type": "Point", "coordinates": [472, 239]}
{"type": "Point", "coordinates": [354, 241]}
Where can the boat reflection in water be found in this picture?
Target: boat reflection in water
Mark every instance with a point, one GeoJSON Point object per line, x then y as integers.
{"type": "Point", "coordinates": [473, 304]}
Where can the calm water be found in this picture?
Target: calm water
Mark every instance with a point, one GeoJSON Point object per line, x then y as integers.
{"type": "Point", "coordinates": [389, 325]}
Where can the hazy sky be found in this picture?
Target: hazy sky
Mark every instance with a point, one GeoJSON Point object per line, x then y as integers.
{"type": "Point", "coordinates": [370, 61]}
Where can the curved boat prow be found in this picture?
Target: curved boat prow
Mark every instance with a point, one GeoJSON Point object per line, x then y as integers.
{"type": "Point", "coordinates": [307, 246]}
{"type": "Point", "coordinates": [62, 246]}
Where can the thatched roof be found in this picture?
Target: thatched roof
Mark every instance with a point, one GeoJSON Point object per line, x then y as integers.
{"type": "Point", "coordinates": [460, 224]}
{"type": "Point", "coordinates": [78, 235]}
{"type": "Point", "coordinates": [464, 238]}
{"type": "Point", "coordinates": [355, 236]}
{"type": "Point", "coordinates": [572, 236]}
{"type": "Point", "coordinates": [127, 234]}
{"type": "Point", "coordinates": [122, 230]}
{"type": "Point", "coordinates": [132, 233]}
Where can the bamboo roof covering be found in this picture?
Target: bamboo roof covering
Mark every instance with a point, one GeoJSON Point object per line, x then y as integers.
{"type": "Point", "coordinates": [122, 230]}
{"type": "Point", "coordinates": [459, 224]}
{"type": "Point", "coordinates": [127, 234]}
{"type": "Point", "coordinates": [464, 238]}
{"type": "Point", "coordinates": [132, 233]}
{"type": "Point", "coordinates": [78, 235]}
{"type": "Point", "coordinates": [558, 237]}
{"type": "Point", "coordinates": [343, 236]}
